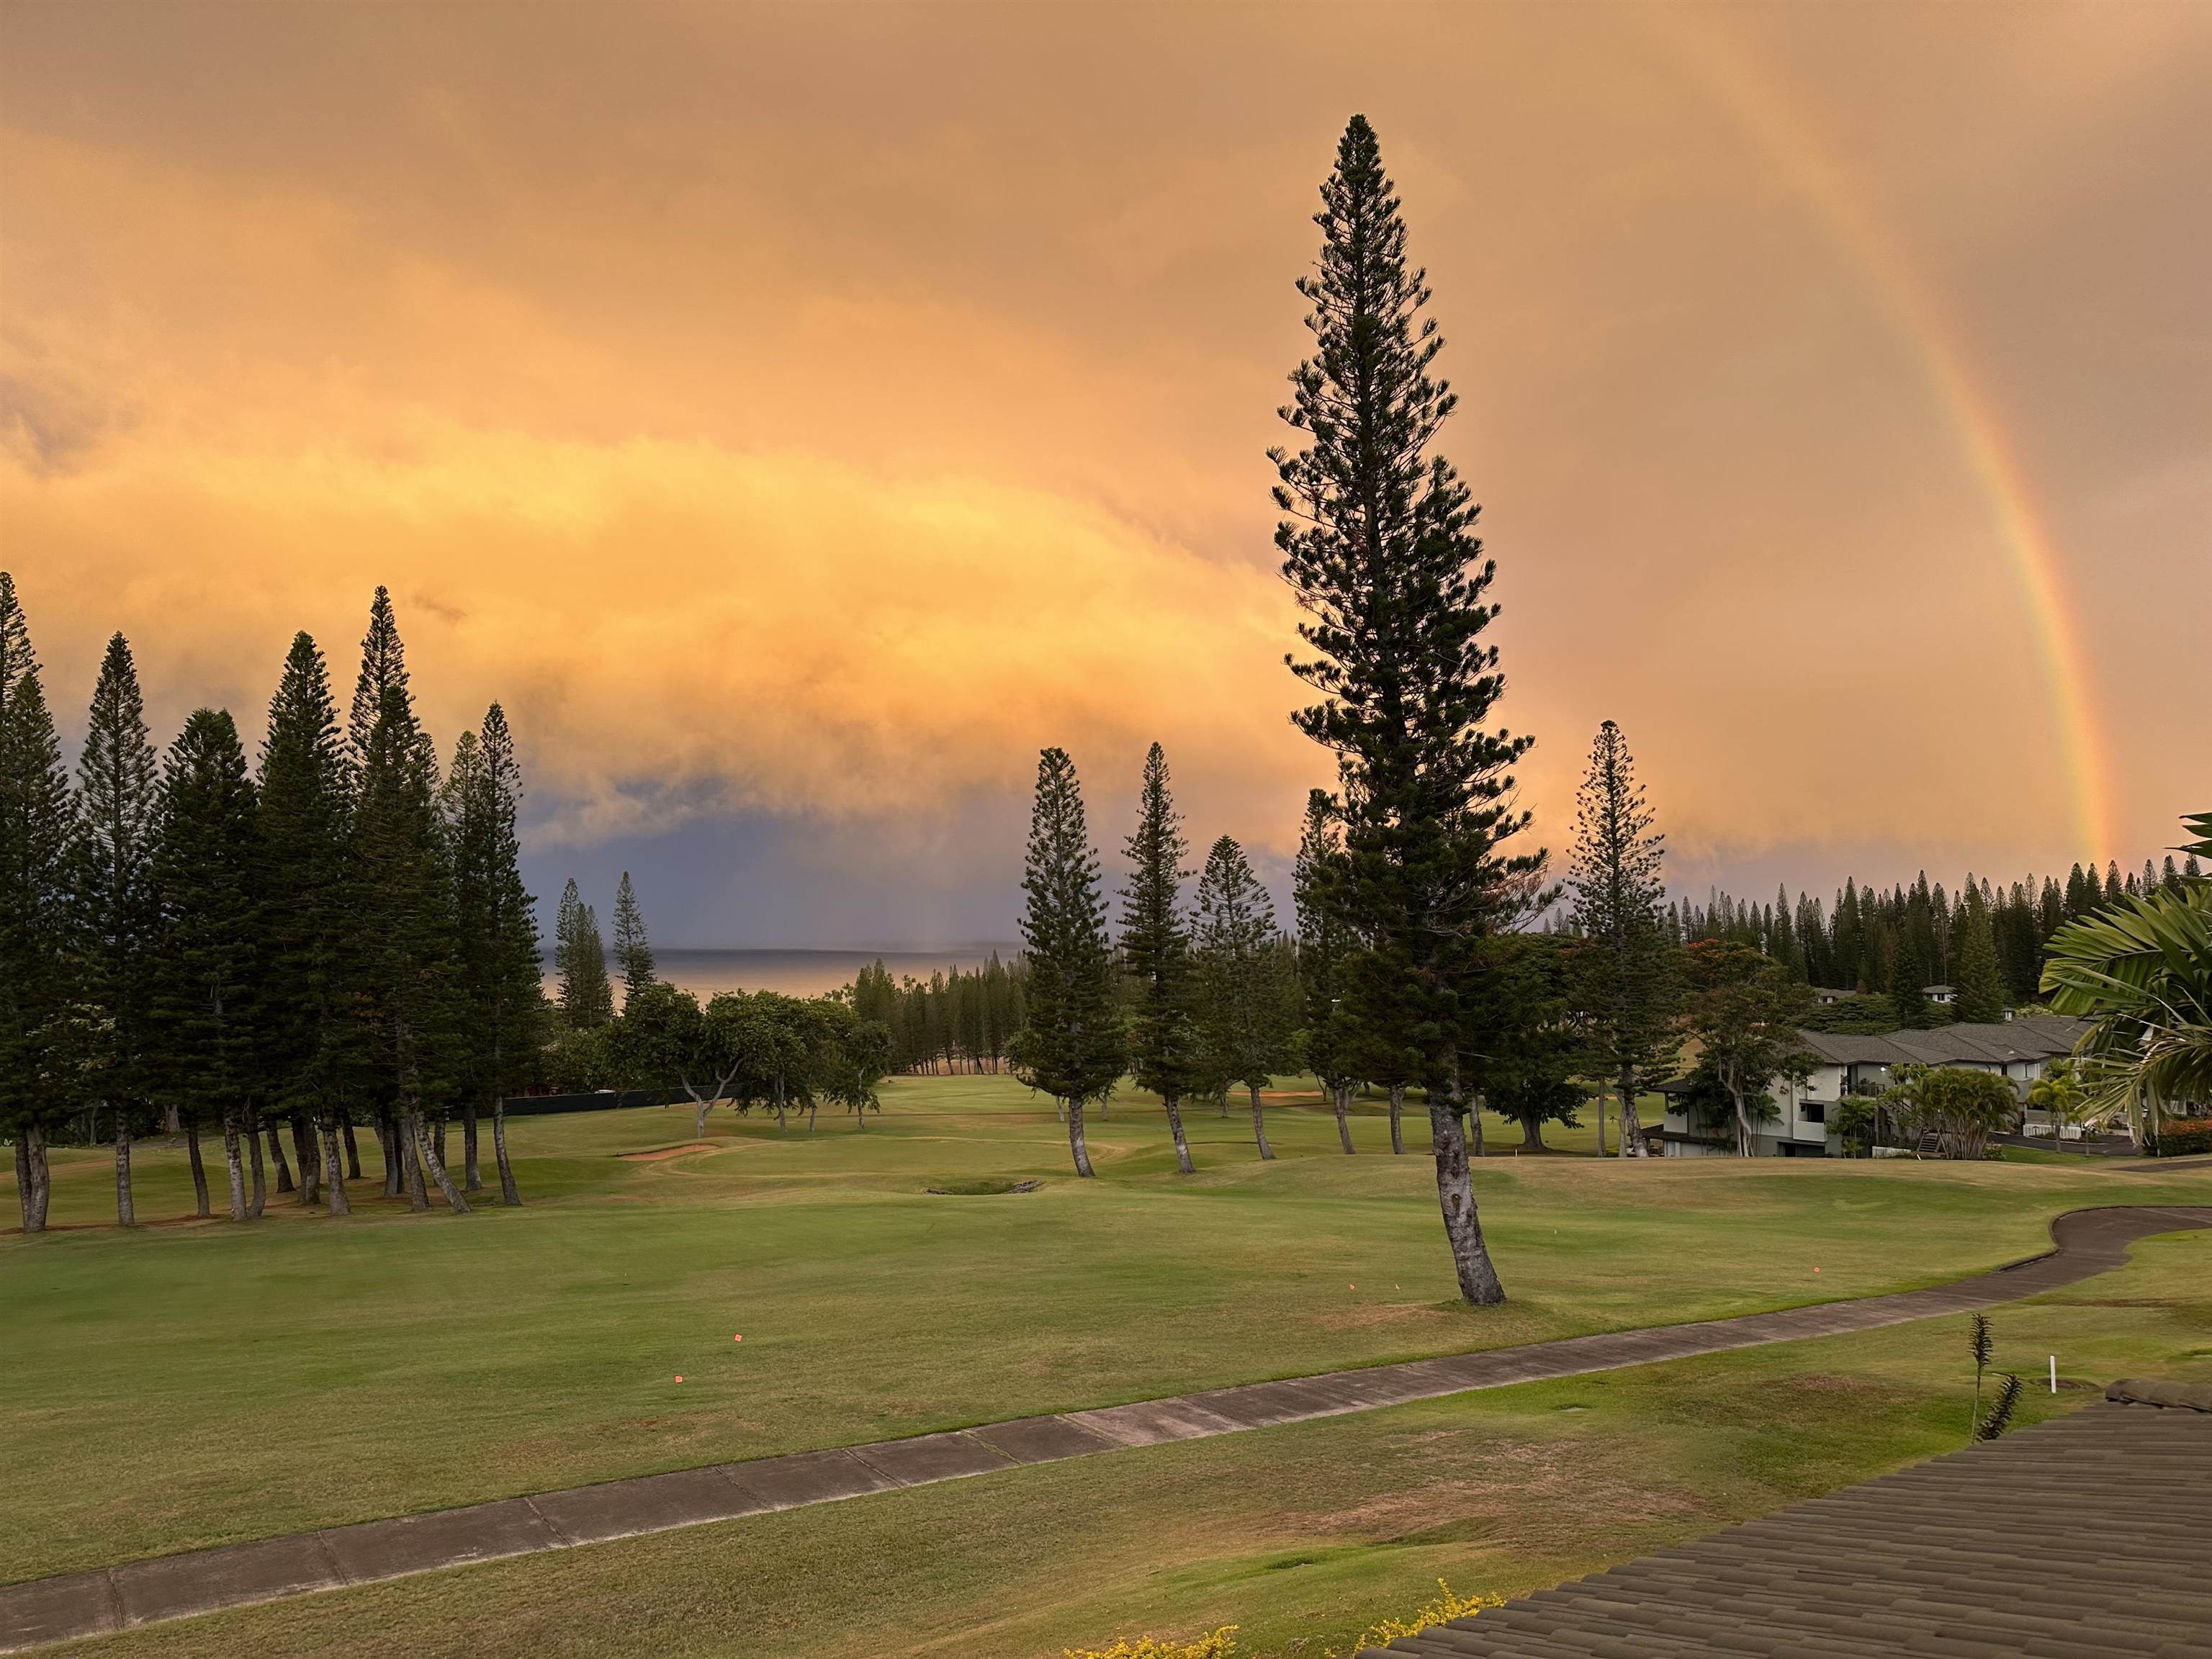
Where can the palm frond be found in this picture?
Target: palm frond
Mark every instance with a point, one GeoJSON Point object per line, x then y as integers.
{"type": "Point", "coordinates": [2000, 1410]}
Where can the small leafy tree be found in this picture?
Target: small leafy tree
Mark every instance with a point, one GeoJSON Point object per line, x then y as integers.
{"type": "Point", "coordinates": [662, 1038]}
{"type": "Point", "coordinates": [770, 1034]}
{"type": "Point", "coordinates": [1961, 1106]}
{"type": "Point", "coordinates": [1742, 1015]}
{"type": "Point", "coordinates": [1856, 1121]}
{"type": "Point", "coordinates": [1531, 1048]}
{"type": "Point", "coordinates": [2058, 1095]}
{"type": "Point", "coordinates": [853, 1055]}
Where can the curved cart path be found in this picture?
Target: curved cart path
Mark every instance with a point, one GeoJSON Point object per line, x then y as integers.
{"type": "Point", "coordinates": [2087, 1243]}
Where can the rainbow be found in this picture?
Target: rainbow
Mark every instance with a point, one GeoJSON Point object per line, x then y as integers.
{"type": "Point", "coordinates": [1750, 93]}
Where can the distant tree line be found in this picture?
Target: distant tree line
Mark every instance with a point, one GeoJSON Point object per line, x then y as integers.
{"type": "Point", "coordinates": [335, 938]}
{"type": "Point", "coordinates": [955, 1020]}
{"type": "Point", "coordinates": [1986, 939]}
{"type": "Point", "coordinates": [784, 1055]}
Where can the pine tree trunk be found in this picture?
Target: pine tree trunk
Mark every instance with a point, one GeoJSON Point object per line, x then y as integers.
{"type": "Point", "coordinates": [473, 1170]}
{"type": "Point", "coordinates": [1175, 1128]}
{"type": "Point", "coordinates": [352, 1151]}
{"type": "Point", "coordinates": [260, 1198]}
{"type": "Point", "coordinates": [1632, 1122]}
{"type": "Point", "coordinates": [42, 1178]}
{"type": "Point", "coordinates": [1601, 1123]}
{"type": "Point", "coordinates": [1478, 1278]}
{"type": "Point", "coordinates": [171, 1123]}
{"type": "Point", "coordinates": [509, 1194]}
{"type": "Point", "coordinates": [27, 1184]}
{"type": "Point", "coordinates": [1075, 1143]}
{"type": "Point", "coordinates": [427, 1151]}
{"type": "Point", "coordinates": [199, 1170]}
{"type": "Point", "coordinates": [233, 1167]}
{"type": "Point", "coordinates": [340, 1204]}
{"type": "Point", "coordinates": [440, 1140]}
{"type": "Point", "coordinates": [411, 1162]}
{"type": "Point", "coordinates": [395, 1181]}
{"type": "Point", "coordinates": [310, 1157]}
{"type": "Point", "coordinates": [1398, 1118]}
{"type": "Point", "coordinates": [276, 1153]}
{"type": "Point", "coordinates": [1342, 1092]}
{"type": "Point", "coordinates": [126, 1212]}
{"type": "Point", "coordinates": [1259, 1124]}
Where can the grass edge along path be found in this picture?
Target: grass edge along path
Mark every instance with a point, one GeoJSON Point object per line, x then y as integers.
{"type": "Point", "coordinates": [2085, 1242]}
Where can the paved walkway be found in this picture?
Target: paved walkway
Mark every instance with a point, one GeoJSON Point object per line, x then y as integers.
{"type": "Point", "coordinates": [2089, 1242]}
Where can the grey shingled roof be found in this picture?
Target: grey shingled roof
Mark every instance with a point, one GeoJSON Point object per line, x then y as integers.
{"type": "Point", "coordinates": [2043, 1036]}
{"type": "Point", "coordinates": [2081, 1538]}
{"type": "Point", "coordinates": [1849, 1049]}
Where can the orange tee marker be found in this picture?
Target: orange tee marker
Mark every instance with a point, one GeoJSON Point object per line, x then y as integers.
{"type": "Point", "coordinates": [740, 1337]}
{"type": "Point", "coordinates": [680, 1379]}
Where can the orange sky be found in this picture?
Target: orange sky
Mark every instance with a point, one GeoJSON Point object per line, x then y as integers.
{"type": "Point", "coordinates": [798, 416]}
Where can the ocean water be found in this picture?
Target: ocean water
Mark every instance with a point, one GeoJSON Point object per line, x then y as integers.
{"type": "Point", "coordinates": [796, 973]}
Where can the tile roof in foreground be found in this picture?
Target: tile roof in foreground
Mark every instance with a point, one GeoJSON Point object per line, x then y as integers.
{"type": "Point", "coordinates": [2080, 1538]}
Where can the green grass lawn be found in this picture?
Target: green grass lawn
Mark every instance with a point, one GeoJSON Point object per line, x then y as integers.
{"type": "Point", "coordinates": [192, 1385]}
{"type": "Point", "coordinates": [1303, 1536]}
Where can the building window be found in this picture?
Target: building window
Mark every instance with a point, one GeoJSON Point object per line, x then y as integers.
{"type": "Point", "coordinates": [1813, 1111]}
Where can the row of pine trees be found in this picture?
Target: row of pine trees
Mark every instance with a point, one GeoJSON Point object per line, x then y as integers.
{"type": "Point", "coordinates": [955, 1020]}
{"type": "Point", "coordinates": [330, 938]}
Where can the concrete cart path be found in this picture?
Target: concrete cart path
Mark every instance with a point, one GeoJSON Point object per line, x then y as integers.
{"type": "Point", "coordinates": [2087, 1242]}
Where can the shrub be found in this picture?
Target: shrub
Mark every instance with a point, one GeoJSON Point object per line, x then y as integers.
{"type": "Point", "coordinates": [1964, 1106]}
{"type": "Point", "coordinates": [1216, 1644]}
{"type": "Point", "coordinates": [1445, 1608]}
{"type": "Point", "coordinates": [2178, 1139]}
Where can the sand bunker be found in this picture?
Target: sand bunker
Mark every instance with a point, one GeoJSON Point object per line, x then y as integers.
{"type": "Point", "coordinates": [664, 1153]}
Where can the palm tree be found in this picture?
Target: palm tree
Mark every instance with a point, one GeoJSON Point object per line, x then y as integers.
{"type": "Point", "coordinates": [2059, 1095]}
{"type": "Point", "coordinates": [2141, 969]}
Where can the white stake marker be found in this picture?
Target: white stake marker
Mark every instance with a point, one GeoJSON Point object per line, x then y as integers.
{"type": "Point", "coordinates": [2054, 1373]}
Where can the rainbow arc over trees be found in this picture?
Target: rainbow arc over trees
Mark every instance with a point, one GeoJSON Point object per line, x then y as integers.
{"type": "Point", "coordinates": [1749, 92]}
